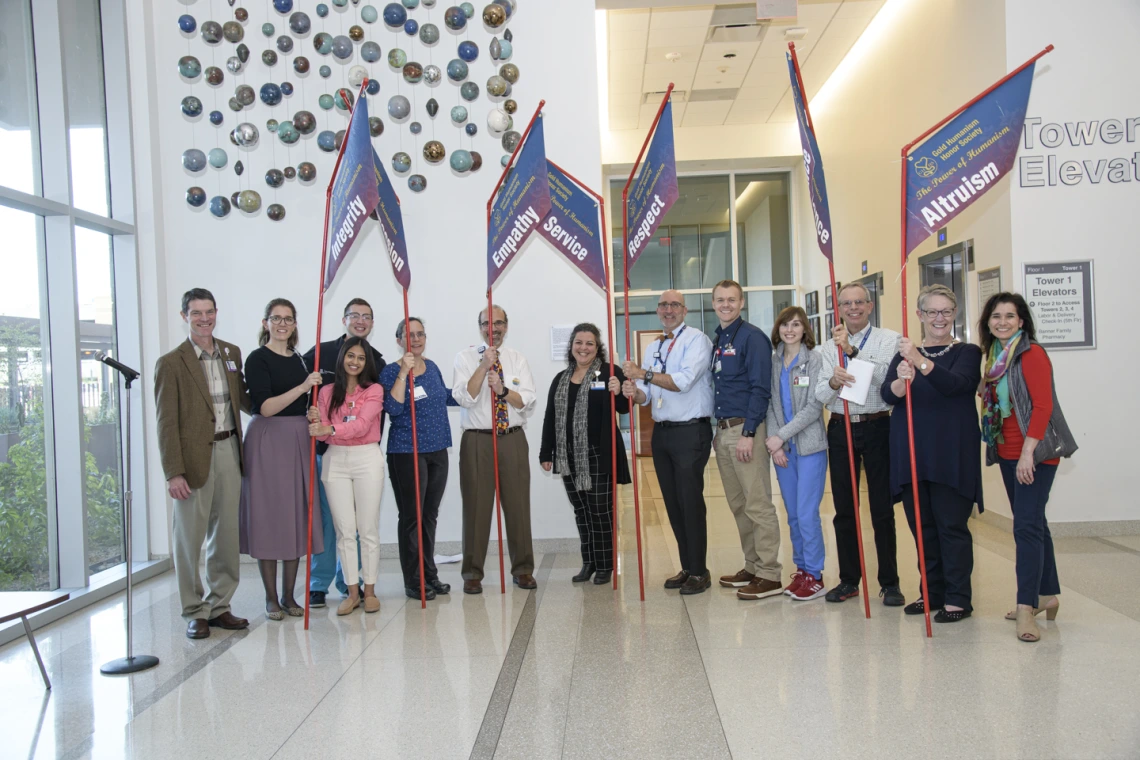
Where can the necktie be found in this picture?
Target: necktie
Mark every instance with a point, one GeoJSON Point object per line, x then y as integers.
{"type": "Point", "coordinates": [502, 414]}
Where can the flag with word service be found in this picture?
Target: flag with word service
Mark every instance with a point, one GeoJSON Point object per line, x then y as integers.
{"type": "Point", "coordinates": [523, 201]}
{"type": "Point", "coordinates": [964, 159]}
{"type": "Point", "coordinates": [391, 224]}
{"type": "Point", "coordinates": [573, 225]}
{"type": "Point", "coordinates": [354, 192]}
{"type": "Point", "coordinates": [654, 191]}
{"type": "Point", "coordinates": [813, 165]}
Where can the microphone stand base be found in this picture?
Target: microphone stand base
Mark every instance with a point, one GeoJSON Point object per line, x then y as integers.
{"type": "Point", "coordinates": [125, 665]}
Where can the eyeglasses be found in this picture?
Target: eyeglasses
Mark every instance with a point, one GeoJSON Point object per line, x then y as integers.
{"type": "Point", "coordinates": [499, 324]}
{"type": "Point", "coordinates": [666, 305]}
{"type": "Point", "coordinates": [279, 320]}
{"type": "Point", "coordinates": [856, 302]}
{"type": "Point", "coordinates": [417, 335]}
{"type": "Point", "coordinates": [352, 316]}
{"type": "Point", "coordinates": [944, 313]}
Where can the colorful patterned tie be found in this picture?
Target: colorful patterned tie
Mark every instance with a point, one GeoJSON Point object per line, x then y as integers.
{"type": "Point", "coordinates": [502, 414]}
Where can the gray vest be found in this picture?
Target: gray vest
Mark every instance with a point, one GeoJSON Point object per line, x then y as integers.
{"type": "Point", "coordinates": [1058, 440]}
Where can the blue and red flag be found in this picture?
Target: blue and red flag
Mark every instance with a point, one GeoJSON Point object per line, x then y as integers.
{"type": "Point", "coordinates": [522, 203]}
{"type": "Point", "coordinates": [573, 226]}
{"type": "Point", "coordinates": [813, 165]}
{"type": "Point", "coordinates": [654, 191]}
{"type": "Point", "coordinates": [354, 191]}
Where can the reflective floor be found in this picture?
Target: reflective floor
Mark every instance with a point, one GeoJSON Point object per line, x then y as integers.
{"type": "Point", "coordinates": [574, 671]}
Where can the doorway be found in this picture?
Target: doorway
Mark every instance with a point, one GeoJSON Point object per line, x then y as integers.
{"type": "Point", "coordinates": [948, 267]}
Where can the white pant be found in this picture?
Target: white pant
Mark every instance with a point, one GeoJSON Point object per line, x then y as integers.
{"type": "Point", "coordinates": [354, 483]}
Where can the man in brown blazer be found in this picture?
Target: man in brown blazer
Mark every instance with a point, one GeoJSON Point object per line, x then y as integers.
{"type": "Point", "coordinates": [200, 393]}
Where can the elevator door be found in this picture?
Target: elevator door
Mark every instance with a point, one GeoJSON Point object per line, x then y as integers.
{"type": "Point", "coordinates": [948, 267]}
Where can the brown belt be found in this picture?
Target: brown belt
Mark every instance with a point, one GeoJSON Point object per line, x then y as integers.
{"type": "Point", "coordinates": [862, 417]}
{"type": "Point", "coordinates": [223, 436]}
{"type": "Point", "coordinates": [729, 422]}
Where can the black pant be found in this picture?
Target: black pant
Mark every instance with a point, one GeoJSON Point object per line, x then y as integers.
{"type": "Point", "coordinates": [433, 481]}
{"type": "Point", "coordinates": [871, 440]}
{"type": "Point", "coordinates": [946, 542]}
{"type": "Point", "coordinates": [680, 455]}
{"type": "Point", "coordinates": [593, 512]}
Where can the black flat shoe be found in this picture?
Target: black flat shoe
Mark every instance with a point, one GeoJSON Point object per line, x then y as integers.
{"type": "Point", "coordinates": [951, 616]}
{"type": "Point", "coordinates": [918, 607]}
{"type": "Point", "coordinates": [603, 577]}
{"type": "Point", "coordinates": [584, 574]}
{"type": "Point", "coordinates": [441, 589]}
{"type": "Point", "coordinates": [414, 593]}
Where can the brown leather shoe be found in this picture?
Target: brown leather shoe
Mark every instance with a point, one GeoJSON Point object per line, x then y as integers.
{"type": "Point", "coordinates": [760, 588]}
{"type": "Point", "coordinates": [472, 587]}
{"type": "Point", "coordinates": [198, 628]}
{"type": "Point", "coordinates": [229, 621]}
{"type": "Point", "coordinates": [697, 584]}
{"type": "Point", "coordinates": [677, 580]}
{"type": "Point", "coordinates": [740, 580]}
{"type": "Point", "coordinates": [525, 581]}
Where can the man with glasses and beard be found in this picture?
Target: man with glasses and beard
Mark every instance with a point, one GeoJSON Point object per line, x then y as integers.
{"type": "Point", "coordinates": [675, 382]}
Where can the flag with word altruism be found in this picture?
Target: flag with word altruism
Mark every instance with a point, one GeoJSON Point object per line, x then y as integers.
{"type": "Point", "coordinates": [813, 165]}
{"type": "Point", "coordinates": [573, 226]}
{"type": "Point", "coordinates": [654, 191]}
{"type": "Point", "coordinates": [965, 158]}
{"type": "Point", "coordinates": [391, 224]}
{"type": "Point", "coordinates": [523, 201]}
{"type": "Point", "coordinates": [354, 193]}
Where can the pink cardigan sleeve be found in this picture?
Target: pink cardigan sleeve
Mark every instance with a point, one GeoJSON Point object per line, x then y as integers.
{"type": "Point", "coordinates": [370, 403]}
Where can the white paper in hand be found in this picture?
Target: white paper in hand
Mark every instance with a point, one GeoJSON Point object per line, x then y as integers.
{"type": "Point", "coordinates": [857, 394]}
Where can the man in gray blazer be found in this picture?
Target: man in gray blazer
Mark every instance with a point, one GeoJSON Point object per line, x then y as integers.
{"type": "Point", "coordinates": [200, 392]}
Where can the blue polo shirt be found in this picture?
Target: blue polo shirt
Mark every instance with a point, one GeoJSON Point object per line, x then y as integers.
{"type": "Point", "coordinates": [744, 382]}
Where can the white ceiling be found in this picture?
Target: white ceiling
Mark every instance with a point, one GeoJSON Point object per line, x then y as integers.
{"type": "Point", "coordinates": [757, 75]}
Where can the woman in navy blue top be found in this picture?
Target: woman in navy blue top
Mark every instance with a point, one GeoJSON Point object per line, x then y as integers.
{"type": "Point", "coordinates": [944, 379]}
{"type": "Point", "coordinates": [433, 436]}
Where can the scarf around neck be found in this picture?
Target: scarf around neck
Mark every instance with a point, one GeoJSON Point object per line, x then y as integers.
{"type": "Point", "coordinates": [581, 469]}
{"type": "Point", "coordinates": [995, 396]}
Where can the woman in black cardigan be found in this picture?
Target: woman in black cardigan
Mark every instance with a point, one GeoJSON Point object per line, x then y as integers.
{"type": "Point", "coordinates": [944, 377]}
{"type": "Point", "coordinates": [576, 443]}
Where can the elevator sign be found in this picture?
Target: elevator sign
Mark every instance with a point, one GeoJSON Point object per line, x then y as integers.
{"type": "Point", "coordinates": [1060, 295]}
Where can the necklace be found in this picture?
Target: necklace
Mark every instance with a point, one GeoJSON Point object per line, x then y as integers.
{"type": "Point", "coordinates": [929, 355]}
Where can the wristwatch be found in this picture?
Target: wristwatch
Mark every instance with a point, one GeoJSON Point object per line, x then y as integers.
{"type": "Point", "coordinates": [854, 353]}
{"type": "Point", "coordinates": [747, 433]}
{"type": "Point", "coordinates": [649, 375]}
{"type": "Point", "coordinates": [922, 367]}
{"type": "Point", "coordinates": [506, 392]}
{"type": "Point", "coordinates": [333, 428]}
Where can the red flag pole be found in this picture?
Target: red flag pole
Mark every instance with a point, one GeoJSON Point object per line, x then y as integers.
{"type": "Point", "coordinates": [317, 360]}
{"type": "Point", "coordinates": [628, 351]}
{"type": "Point", "coordinates": [411, 390]}
{"type": "Point", "coordinates": [610, 330]}
{"type": "Point", "coordinates": [852, 473]}
{"type": "Point", "coordinates": [490, 336]}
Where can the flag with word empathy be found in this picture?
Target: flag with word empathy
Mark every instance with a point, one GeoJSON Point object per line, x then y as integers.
{"type": "Point", "coordinates": [965, 158]}
{"type": "Point", "coordinates": [523, 201]}
{"type": "Point", "coordinates": [573, 225]}
{"type": "Point", "coordinates": [654, 191]}
{"type": "Point", "coordinates": [354, 193]}
{"type": "Point", "coordinates": [813, 165]}
{"type": "Point", "coordinates": [392, 224]}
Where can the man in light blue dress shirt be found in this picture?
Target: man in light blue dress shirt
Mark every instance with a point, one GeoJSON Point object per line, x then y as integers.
{"type": "Point", "coordinates": [675, 381]}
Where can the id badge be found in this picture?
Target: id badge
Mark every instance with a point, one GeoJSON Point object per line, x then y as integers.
{"type": "Point", "coordinates": [231, 366]}
{"type": "Point", "coordinates": [420, 393]}
{"type": "Point", "coordinates": [660, 401]}
{"type": "Point", "coordinates": [597, 385]}
{"type": "Point", "coordinates": [801, 381]}
{"type": "Point", "coordinates": [730, 351]}
{"type": "Point", "coordinates": [350, 418]}
{"type": "Point", "coordinates": [716, 367]}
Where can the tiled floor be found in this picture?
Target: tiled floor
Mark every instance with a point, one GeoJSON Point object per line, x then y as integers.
{"type": "Point", "coordinates": [576, 671]}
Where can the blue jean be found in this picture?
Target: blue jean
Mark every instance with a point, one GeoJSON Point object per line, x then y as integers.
{"type": "Point", "coordinates": [801, 485]}
{"type": "Point", "coordinates": [326, 565]}
{"type": "Point", "coordinates": [1036, 566]}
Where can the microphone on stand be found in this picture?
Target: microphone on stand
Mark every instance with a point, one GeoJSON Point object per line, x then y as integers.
{"type": "Point", "coordinates": [129, 373]}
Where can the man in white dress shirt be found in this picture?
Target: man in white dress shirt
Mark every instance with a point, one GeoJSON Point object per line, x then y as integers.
{"type": "Point", "coordinates": [481, 373]}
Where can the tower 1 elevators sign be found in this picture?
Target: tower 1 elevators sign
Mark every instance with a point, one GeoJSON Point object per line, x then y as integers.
{"type": "Point", "coordinates": [1060, 294]}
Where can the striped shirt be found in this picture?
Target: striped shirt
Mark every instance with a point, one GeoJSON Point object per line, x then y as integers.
{"type": "Point", "coordinates": [214, 369]}
{"type": "Point", "coordinates": [880, 349]}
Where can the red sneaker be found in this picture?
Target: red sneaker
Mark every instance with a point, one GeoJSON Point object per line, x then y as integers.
{"type": "Point", "coordinates": [794, 583]}
{"type": "Point", "coordinates": [810, 588]}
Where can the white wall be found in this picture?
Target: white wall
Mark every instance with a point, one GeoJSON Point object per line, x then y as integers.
{"type": "Point", "coordinates": [1090, 76]}
{"type": "Point", "coordinates": [246, 261]}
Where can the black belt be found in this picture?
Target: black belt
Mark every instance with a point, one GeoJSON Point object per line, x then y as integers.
{"type": "Point", "coordinates": [857, 418]}
{"type": "Point", "coordinates": [695, 421]}
{"type": "Point", "coordinates": [488, 432]}
{"type": "Point", "coordinates": [223, 436]}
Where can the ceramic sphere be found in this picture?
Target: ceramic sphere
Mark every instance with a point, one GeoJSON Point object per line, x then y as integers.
{"type": "Point", "coordinates": [326, 101]}
{"type": "Point", "coordinates": [511, 141]}
{"type": "Point", "coordinates": [274, 178]}
{"type": "Point", "coordinates": [193, 160]}
{"type": "Point", "coordinates": [232, 31]}
{"type": "Point", "coordinates": [269, 57]}
{"type": "Point", "coordinates": [325, 72]}
{"type": "Point", "coordinates": [375, 126]}
{"type": "Point", "coordinates": [395, 15]}
{"type": "Point", "coordinates": [506, 50]}
{"type": "Point", "coordinates": [342, 47]}
{"type": "Point", "coordinates": [496, 86]}
{"type": "Point", "coordinates": [356, 33]}
{"type": "Point", "coordinates": [468, 51]}
{"type": "Point", "coordinates": [498, 121]}
{"type": "Point", "coordinates": [220, 206]}
{"type": "Point", "coordinates": [340, 97]}
{"type": "Point", "coordinates": [268, 29]}
{"type": "Point", "coordinates": [195, 196]}
{"type": "Point", "coordinates": [399, 107]}
{"type": "Point", "coordinates": [370, 51]}
{"type": "Point", "coordinates": [300, 23]}
{"type": "Point", "coordinates": [282, 6]}
{"type": "Point", "coordinates": [301, 64]}
{"type": "Point", "coordinates": [417, 183]}
{"type": "Point", "coordinates": [413, 72]}
{"type": "Point", "coordinates": [510, 106]}
{"type": "Point", "coordinates": [411, 26]}
{"type": "Point", "coordinates": [506, 159]}
{"type": "Point", "coordinates": [216, 118]}
{"type": "Point", "coordinates": [459, 114]}
{"type": "Point", "coordinates": [245, 94]}
{"type": "Point", "coordinates": [434, 151]}
{"type": "Point", "coordinates": [432, 107]}
{"type": "Point", "coordinates": [397, 58]}
{"type": "Point", "coordinates": [326, 141]}
{"type": "Point", "coordinates": [356, 75]}
{"type": "Point", "coordinates": [322, 10]}
{"type": "Point", "coordinates": [214, 75]}
{"type": "Point", "coordinates": [455, 18]}
{"type": "Point", "coordinates": [187, 24]}
{"type": "Point", "coordinates": [429, 3]}
{"type": "Point", "coordinates": [272, 125]}
{"type": "Point", "coordinates": [234, 64]}
{"type": "Point", "coordinates": [287, 133]}
{"type": "Point", "coordinates": [275, 211]}
{"type": "Point", "coordinates": [476, 160]}
{"type": "Point", "coordinates": [429, 34]}
{"type": "Point", "coordinates": [509, 72]}
{"type": "Point", "coordinates": [242, 51]}
{"type": "Point", "coordinates": [461, 161]}
{"type": "Point", "coordinates": [290, 172]}
{"type": "Point", "coordinates": [323, 43]}
{"type": "Point", "coordinates": [432, 74]}
{"type": "Point", "coordinates": [469, 91]}
{"type": "Point", "coordinates": [468, 9]}
{"type": "Point", "coordinates": [270, 94]}
{"type": "Point", "coordinates": [234, 104]}
{"type": "Point", "coordinates": [212, 32]}
{"type": "Point", "coordinates": [368, 14]}
{"type": "Point", "coordinates": [285, 43]}
{"type": "Point", "coordinates": [305, 122]}
{"type": "Point", "coordinates": [218, 158]}
{"type": "Point", "coordinates": [415, 128]}
{"type": "Point", "coordinates": [412, 4]}
{"type": "Point", "coordinates": [471, 129]}
{"type": "Point", "coordinates": [339, 138]}
{"type": "Point", "coordinates": [189, 67]}
{"type": "Point", "coordinates": [246, 135]}
{"type": "Point", "coordinates": [494, 15]}
{"type": "Point", "coordinates": [401, 162]}
{"type": "Point", "coordinates": [373, 87]}
{"type": "Point", "coordinates": [241, 14]}
{"type": "Point", "coordinates": [249, 201]}
{"type": "Point", "coordinates": [286, 88]}
{"type": "Point", "coordinates": [341, 3]}
{"type": "Point", "coordinates": [306, 171]}
{"type": "Point", "coordinates": [456, 70]}
{"type": "Point", "coordinates": [508, 6]}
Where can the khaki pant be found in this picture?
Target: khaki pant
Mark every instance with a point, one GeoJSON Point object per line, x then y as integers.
{"type": "Point", "coordinates": [748, 488]}
{"type": "Point", "coordinates": [210, 514]}
{"type": "Point", "coordinates": [354, 484]}
{"type": "Point", "coordinates": [477, 485]}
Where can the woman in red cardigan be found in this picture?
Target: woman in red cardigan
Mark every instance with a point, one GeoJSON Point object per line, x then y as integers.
{"type": "Point", "coordinates": [1026, 435]}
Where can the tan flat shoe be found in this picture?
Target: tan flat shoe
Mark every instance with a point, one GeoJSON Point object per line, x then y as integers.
{"type": "Point", "coordinates": [1050, 612]}
{"type": "Point", "coordinates": [1027, 629]}
{"type": "Point", "coordinates": [371, 604]}
{"type": "Point", "coordinates": [348, 605]}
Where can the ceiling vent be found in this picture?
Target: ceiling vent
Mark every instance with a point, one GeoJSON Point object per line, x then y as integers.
{"type": "Point", "coordinates": [735, 24]}
{"type": "Point", "coordinates": [713, 96]}
{"type": "Point", "coordinates": [679, 96]}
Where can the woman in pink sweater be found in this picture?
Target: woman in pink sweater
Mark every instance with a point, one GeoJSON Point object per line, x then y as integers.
{"type": "Point", "coordinates": [347, 418]}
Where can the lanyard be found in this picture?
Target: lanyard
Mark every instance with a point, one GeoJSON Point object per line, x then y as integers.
{"type": "Point", "coordinates": [716, 351]}
{"type": "Point", "coordinates": [665, 361]}
{"type": "Point", "coordinates": [861, 344]}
